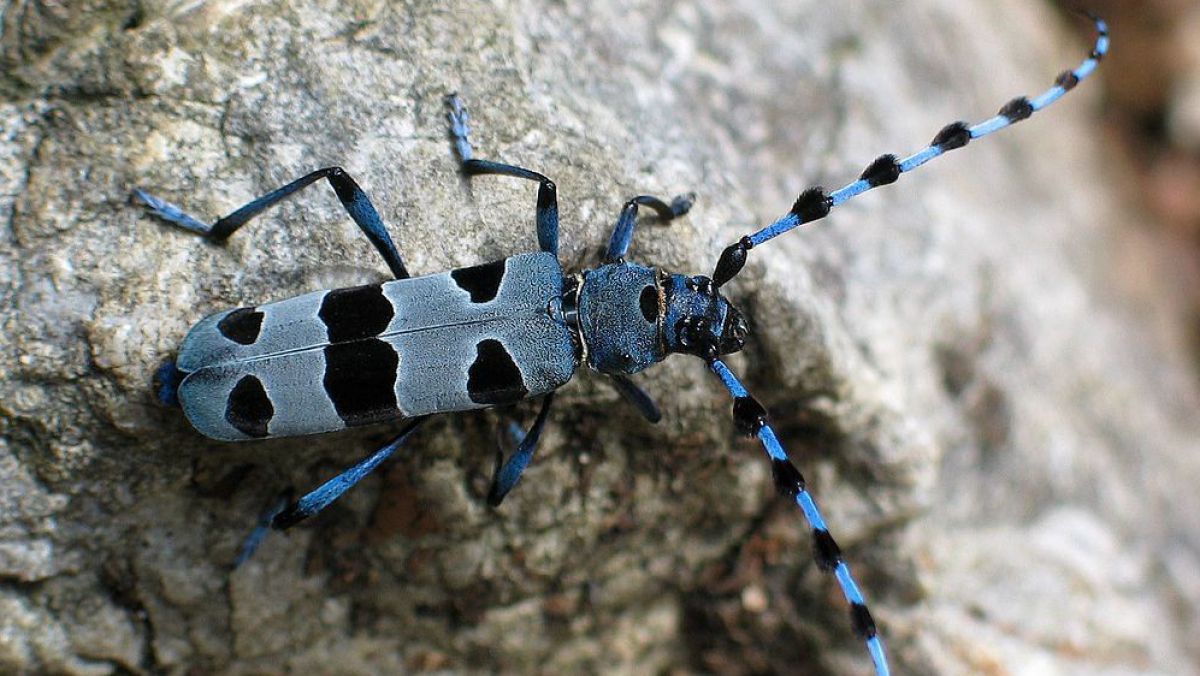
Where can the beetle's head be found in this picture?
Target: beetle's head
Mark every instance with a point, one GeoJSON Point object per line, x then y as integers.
{"type": "Point", "coordinates": [699, 320]}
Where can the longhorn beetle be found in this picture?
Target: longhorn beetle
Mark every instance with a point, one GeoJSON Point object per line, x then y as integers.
{"type": "Point", "coordinates": [497, 333]}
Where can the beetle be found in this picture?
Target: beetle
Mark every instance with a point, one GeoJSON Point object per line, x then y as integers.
{"type": "Point", "coordinates": [501, 332]}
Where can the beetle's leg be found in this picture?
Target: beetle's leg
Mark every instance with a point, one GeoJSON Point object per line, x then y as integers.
{"type": "Point", "coordinates": [622, 235]}
{"type": "Point", "coordinates": [638, 397]}
{"type": "Point", "coordinates": [166, 383]}
{"type": "Point", "coordinates": [331, 490]}
{"type": "Point", "coordinates": [751, 418]}
{"type": "Point", "coordinates": [356, 202]}
{"type": "Point", "coordinates": [256, 536]}
{"type": "Point", "coordinates": [507, 474]}
{"type": "Point", "coordinates": [460, 128]}
{"type": "Point", "coordinates": [547, 198]}
{"type": "Point", "coordinates": [546, 216]}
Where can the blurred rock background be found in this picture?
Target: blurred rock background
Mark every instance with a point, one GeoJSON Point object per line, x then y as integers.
{"type": "Point", "coordinates": [1152, 120]}
{"type": "Point", "coordinates": [987, 372]}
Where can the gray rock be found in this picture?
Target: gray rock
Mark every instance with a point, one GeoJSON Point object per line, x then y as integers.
{"type": "Point", "coordinates": [1002, 438]}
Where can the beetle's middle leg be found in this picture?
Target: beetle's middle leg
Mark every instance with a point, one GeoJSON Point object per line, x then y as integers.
{"type": "Point", "coordinates": [547, 198]}
{"type": "Point", "coordinates": [356, 202]}
{"type": "Point", "coordinates": [507, 474]}
{"type": "Point", "coordinates": [283, 512]}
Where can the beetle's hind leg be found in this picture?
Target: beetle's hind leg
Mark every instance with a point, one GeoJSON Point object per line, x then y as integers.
{"type": "Point", "coordinates": [166, 383]}
{"type": "Point", "coordinates": [263, 528]}
{"type": "Point", "coordinates": [331, 490]}
{"type": "Point", "coordinates": [460, 128]}
{"type": "Point", "coordinates": [546, 216]}
{"type": "Point", "coordinates": [283, 513]}
{"type": "Point", "coordinates": [356, 202]}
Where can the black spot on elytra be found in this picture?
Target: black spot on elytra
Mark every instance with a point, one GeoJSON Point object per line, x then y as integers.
{"type": "Point", "coordinates": [356, 313]}
{"type": "Point", "coordinates": [249, 408]}
{"type": "Point", "coordinates": [481, 281]}
{"type": "Point", "coordinates": [360, 379]}
{"type": "Point", "coordinates": [649, 303]}
{"type": "Point", "coordinates": [494, 377]}
{"type": "Point", "coordinates": [241, 325]}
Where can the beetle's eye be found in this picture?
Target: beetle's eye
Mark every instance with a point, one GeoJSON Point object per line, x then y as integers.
{"type": "Point", "coordinates": [649, 303]}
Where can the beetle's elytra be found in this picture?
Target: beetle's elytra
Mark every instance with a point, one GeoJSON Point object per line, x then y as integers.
{"type": "Point", "coordinates": [469, 338]}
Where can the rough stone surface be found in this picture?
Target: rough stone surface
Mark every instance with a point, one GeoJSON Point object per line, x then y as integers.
{"type": "Point", "coordinates": [1004, 441]}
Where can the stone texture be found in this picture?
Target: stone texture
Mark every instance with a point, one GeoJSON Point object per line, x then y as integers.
{"type": "Point", "coordinates": [1002, 433]}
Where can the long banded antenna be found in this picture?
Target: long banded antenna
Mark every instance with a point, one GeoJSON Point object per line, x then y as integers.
{"type": "Point", "coordinates": [814, 203]}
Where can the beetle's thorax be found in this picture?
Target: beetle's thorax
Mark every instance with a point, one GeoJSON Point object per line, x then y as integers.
{"type": "Point", "coordinates": [629, 317]}
{"type": "Point", "coordinates": [620, 310]}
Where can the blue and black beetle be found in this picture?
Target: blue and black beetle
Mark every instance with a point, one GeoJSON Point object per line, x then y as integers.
{"type": "Point", "coordinates": [500, 332]}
